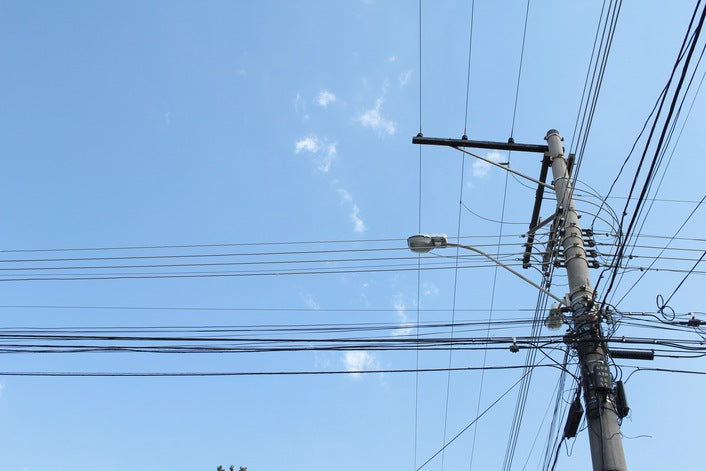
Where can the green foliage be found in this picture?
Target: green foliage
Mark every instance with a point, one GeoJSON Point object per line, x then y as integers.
{"type": "Point", "coordinates": [232, 468]}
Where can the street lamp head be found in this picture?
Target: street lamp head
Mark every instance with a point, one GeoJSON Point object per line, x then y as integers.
{"type": "Point", "coordinates": [422, 243]}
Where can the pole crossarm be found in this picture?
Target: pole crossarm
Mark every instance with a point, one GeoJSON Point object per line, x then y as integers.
{"type": "Point", "coordinates": [438, 141]}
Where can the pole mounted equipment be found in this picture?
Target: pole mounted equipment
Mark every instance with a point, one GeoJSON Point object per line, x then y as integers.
{"type": "Point", "coordinates": [601, 409]}
{"type": "Point", "coordinates": [604, 405]}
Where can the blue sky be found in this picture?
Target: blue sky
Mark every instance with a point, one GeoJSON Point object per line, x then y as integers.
{"type": "Point", "coordinates": [233, 124]}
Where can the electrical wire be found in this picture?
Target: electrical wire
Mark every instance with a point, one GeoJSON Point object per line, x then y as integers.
{"type": "Point", "coordinates": [478, 417]}
{"type": "Point", "coordinates": [453, 305]}
{"type": "Point", "coordinates": [102, 374]}
{"type": "Point", "coordinates": [468, 74]}
{"type": "Point", "coordinates": [652, 167]}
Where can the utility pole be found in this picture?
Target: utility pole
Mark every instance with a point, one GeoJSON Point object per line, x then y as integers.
{"type": "Point", "coordinates": [601, 413]}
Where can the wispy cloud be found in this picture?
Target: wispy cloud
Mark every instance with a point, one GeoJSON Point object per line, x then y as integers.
{"type": "Point", "coordinates": [430, 289]}
{"type": "Point", "coordinates": [480, 168]}
{"type": "Point", "coordinates": [324, 151]}
{"type": "Point", "coordinates": [354, 214]}
{"type": "Point", "coordinates": [359, 360]}
{"type": "Point", "coordinates": [372, 118]}
{"type": "Point", "coordinates": [325, 98]}
{"type": "Point", "coordinates": [392, 59]}
{"type": "Point", "coordinates": [404, 77]}
{"type": "Point", "coordinates": [300, 106]}
{"type": "Point", "coordinates": [310, 301]}
{"type": "Point", "coordinates": [309, 144]}
{"type": "Point", "coordinates": [405, 327]}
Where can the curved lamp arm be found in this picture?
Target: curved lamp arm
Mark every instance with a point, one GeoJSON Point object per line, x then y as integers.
{"type": "Point", "coordinates": [422, 243]}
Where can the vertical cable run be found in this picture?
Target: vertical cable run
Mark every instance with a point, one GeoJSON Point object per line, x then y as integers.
{"type": "Point", "coordinates": [420, 67]}
{"type": "Point", "coordinates": [419, 276]}
{"type": "Point", "coordinates": [468, 76]}
{"type": "Point", "coordinates": [419, 257]}
{"type": "Point", "coordinates": [453, 306]}
{"type": "Point", "coordinates": [502, 222]}
{"type": "Point", "coordinates": [490, 317]}
{"type": "Point", "coordinates": [416, 374]}
{"type": "Point", "coordinates": [519, 71]}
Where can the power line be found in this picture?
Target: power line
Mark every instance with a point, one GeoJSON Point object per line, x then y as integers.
{"type": "Point", "coordinates": [98, 374]}
{"type": "Point", "coordinates": [473, 421]}
{"type": "Point", "coordinates": [653, 164]}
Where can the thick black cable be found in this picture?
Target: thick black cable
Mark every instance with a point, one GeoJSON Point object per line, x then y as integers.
{"type": "Point", "coordinates": [665, 128]}
{"type": "Point", "coordinates": [642, 213]}
{"type": "Point", "coordinates": [688, 218]}
{"type": "Point", "coordinates": [97, 374]}
{"type": "Point", "coordinates": [666, 303]}
{"type": "Point", "coordinates": [585, 82]}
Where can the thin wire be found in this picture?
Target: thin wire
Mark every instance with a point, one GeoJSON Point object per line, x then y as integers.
{"type": "Point", "coordinates": [296, 272]}
{"type": "Point", "coordinates": [192, 246]}
{"type": "Point", "coordinates": [419, 258]}
{"type": "Point", "coordinates": [585, 83]}
{"type": "Point", "coordinates": [255, 309]}
{"type": "Point", "coordinates": [468, 77]}
{"type": "Point", "coordinates": [512, 440]}
{"type": "Point", "coordinates": [99, 374]}
{"type": "Point", "coordinates": [208, 255]}
{"type": "Point", "coordinates": [473, 421]}
{"type": "Point", "coordinates": [416, 375]}
{"type": "Point", "coordinates": [490, 318]}
{"type": "Point", "coordinates": [485, 218]}
{"type": "Point", "coordinates": [652, 167]}
{"type": "Point", "coordinates": [663, 250]}
{"type": "Point", "coordinates": [666, 303]}
{"type": "Point", "coordinates": [453, 304]}
{"type": "Point", "coordinates": [597, 80]}
{"type": "Point", "coordinates": [519, 71]}
{"type": "Point", "coordinates": [644, 214]}
{"type": "Point", "coordinates": [420, 67]}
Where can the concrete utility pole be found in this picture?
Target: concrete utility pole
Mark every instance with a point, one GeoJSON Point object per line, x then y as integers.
{"type": "Point", "coordinates": [586, 337]}
{"type": "Point", "coordinates": [601, 415]}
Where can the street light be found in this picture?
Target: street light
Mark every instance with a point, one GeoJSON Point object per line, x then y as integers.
{"type": "Point", "coordinates": [423, 243]}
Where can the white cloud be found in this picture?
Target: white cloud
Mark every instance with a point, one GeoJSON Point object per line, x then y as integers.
{"type": "Point", "coordinates": [359, 361]}
{"type": "Point", "coordinates": [322, 360]}
{"type": "Point", "coordinates": [392, 59]}
{"type": "Point", "coordinates": [309, 144]}
{"type": "Point", "coordinates": [324, 151]}
{"type": "Point", "coordinates": [405, 327]}
{"type": "Point", "coordinates": [358, 224]}
{"type": "Point", "coordinates": [325, 98]}
{"type": "Point", "coordinates": [354, 214]}
{"type": "Point", "coordinates": [345, 196]}
{"type": "Point", "coordinates": [430, 289]}
{"type": "Point", "coordinates": [404, 78]}
{"type": "Point", "coordinates": [300, 106]}
{"type": "Point", "coordinates": [373, 119]}
{"type": "Point", "coordinates": [310, 302]}
{"type": "Point", "coordinates": [480, 168]}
